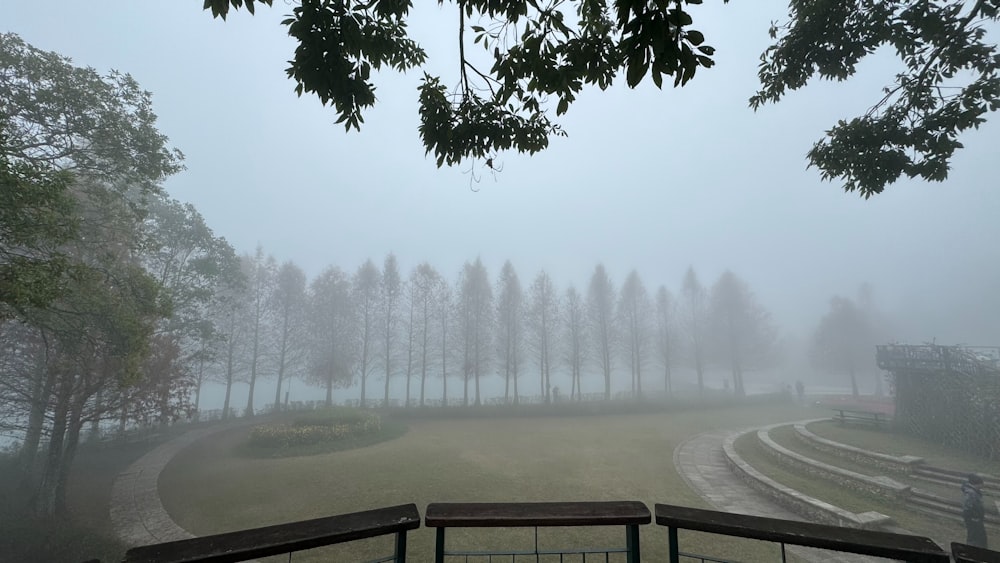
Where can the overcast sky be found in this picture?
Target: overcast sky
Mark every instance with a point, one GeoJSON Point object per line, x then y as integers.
{"type": "Point", "coordinates": [646, 179]}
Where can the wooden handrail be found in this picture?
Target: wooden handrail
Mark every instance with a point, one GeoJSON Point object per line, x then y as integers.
{"type": "Point", "coordinates": [531, 514]}
{"type": "Point", "coordinates": [282, 538]}
{"type": "Point", "coordinates": [965, 553]}
{"type": "Point", "coordinates": [850, 540]}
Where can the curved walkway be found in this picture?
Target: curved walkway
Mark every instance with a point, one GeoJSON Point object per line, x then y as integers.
{"type": "Point", "coordinates": [137, 515]}
{"type": "Point", "coordinates": [701, 463]}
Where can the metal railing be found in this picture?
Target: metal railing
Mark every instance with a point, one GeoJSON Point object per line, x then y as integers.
{"type": "Point", "coordinates": [245, 545]}
{"type": "Point", "coordinates": [630, 514]}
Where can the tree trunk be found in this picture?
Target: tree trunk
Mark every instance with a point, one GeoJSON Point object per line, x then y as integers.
{"type": "Point", "coordinates": [364, 377]}
{"type": "Point", "coordinates": [281, 379]}
{"type": "Point", "coordinates": [253, 382]}
{"type": "Point", "coordinates": [229, 379]}
{"type": "Point", "coordinates": [45, 500]}
{"type": "Point", "coordinates": [197, 389]}
{"type": "Point", "coordinates": [607, 384]}
{"type": "Point", "coordinates": [548, 378]}
{"type": "Point", "coordinates": [385, 399]}
{"type": "Point", "coordinates": [854, 383]}
{"type": "Point", "coordinates": [517, 394]}
{"type": "Point", "coordinates": [329, 391]}
{"type": "Point", "coordinates": [69, 454]}
{"type": "Point", "coordinates": [477, 386]}
{"type": "Point", "coordinates": [506, 384]}
{"type": "Point", "coordinates": [40, 394]}
{"type": "Point", "coordinates": [122, 416]}
{"type": "Point", "coordinates": [444, 362]}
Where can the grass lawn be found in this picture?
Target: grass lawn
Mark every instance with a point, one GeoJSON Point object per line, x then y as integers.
{"type": "Point", "coordinates": [210, 488]}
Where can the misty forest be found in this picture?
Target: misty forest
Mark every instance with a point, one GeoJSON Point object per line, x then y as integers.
{"type": "Point", "coordinates": [555, 279]}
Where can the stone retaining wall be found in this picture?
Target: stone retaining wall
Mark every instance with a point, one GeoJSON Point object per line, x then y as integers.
{"type": "Point", "coordinates": [897, 464]}
{"type": "Point", "coordinates": [877, 485]}
{"type": "Point", "coordinates": [808, 507]}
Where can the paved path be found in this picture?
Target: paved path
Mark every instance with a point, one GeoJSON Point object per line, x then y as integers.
{"type": "Point", "coordinates": [701, 463]}
{"type": "Point", "coordinates": [137, 515]}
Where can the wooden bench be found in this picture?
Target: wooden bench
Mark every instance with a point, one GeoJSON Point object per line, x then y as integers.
{"type": "Point", "coordinates": [874, 418]}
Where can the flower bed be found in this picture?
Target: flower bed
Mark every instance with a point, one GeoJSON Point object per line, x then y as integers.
{"type": "Point", "coordinates": [316, 428]}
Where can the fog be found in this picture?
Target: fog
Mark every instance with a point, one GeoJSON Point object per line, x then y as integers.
{"type": "Point", "coordinates": [653, 187]}
{"type": "Point", "coordinates": [647, 179]}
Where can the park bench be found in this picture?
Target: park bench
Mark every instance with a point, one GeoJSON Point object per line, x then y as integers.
{"type": "Point", "coordinates": [853, 414]}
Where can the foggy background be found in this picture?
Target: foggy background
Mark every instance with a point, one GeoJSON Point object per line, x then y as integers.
{"type": "Point", "coordinates": [647, 179]}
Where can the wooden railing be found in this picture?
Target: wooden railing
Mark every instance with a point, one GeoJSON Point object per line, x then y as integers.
{"type": "Point", "coordinates": [398, 520]}
{"type": "Point", "coordinates": [902, 547]}
{"type": "Point", "coordinates": [287, 538]}
{"type": "Point", "coordinates": [630, 514]}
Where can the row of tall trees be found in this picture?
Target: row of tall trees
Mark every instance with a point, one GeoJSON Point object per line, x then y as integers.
{"type": "Point", "coordinates": [377, 325]}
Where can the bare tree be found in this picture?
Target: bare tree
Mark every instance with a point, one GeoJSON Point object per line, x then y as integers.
{"type": "Point", "coordinates": [424, 284]}
{"type": "Point", "coordinates": [231, 322]}
{"type": "Point", "coordinates": [333, 334]}
{"type": "Point", "coordinates": [543, 314]}
{"type": "Point", "coordinates": [634, 314]}
{"type": "Point", "coordinates": [390, 292]}
{"type": "Point", "coordinates": [694, 306]}
{"type": "Point", "coordinates": [844, 340]}
{"type": "Point", "coordinates": [742, 332]}
{"type": "Point", "coordinates": [366, 289]}
{"type": "Point", "coordinates": [665, 333]}
{"type": "Point", "coordinates": [260, 284]}
{"type": "Point", "coordinates": [445, 318]}
{"type": "Point", "coordinates": [575, 321]}
{"type": "Point", "coordinates": [601, 318]}
{"type": "Point", "coordinates": [476, 318]}
{"type": "Point", "coordinates": [510, 321]}
{"type": "Point", "coordinates": [289, 301]}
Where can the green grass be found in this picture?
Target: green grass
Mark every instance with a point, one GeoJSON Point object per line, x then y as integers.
{"type": "Point", "coordinates": [211, 488]}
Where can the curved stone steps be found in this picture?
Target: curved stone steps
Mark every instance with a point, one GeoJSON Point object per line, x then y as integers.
{"type": "Point", "coordinates": [923, 500]}
{"type": "Point", "coordinates": [868, 484]}
{"type": "Point", "coordinates": [806, 506]}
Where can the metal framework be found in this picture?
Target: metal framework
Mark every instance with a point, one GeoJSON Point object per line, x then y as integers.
{"type": "Point", "coordinates": [947, 394]}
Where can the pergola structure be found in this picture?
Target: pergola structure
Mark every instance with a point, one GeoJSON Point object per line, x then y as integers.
{"type": "Point", "coordinates": [948, 394]}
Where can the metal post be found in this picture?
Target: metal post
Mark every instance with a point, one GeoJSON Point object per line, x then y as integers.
{"type": "Point", "coordinates": [672, 546]}
{"type": "Point", "coordinates": [400, 547]}
{"type": "Point", "coordinates": [439, 546]}
{"type": "Point", "coordinates": [632, 543]}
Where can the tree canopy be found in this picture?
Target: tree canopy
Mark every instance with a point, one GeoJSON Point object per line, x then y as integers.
{"type": "Point", "coordinates": [543, 54]}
